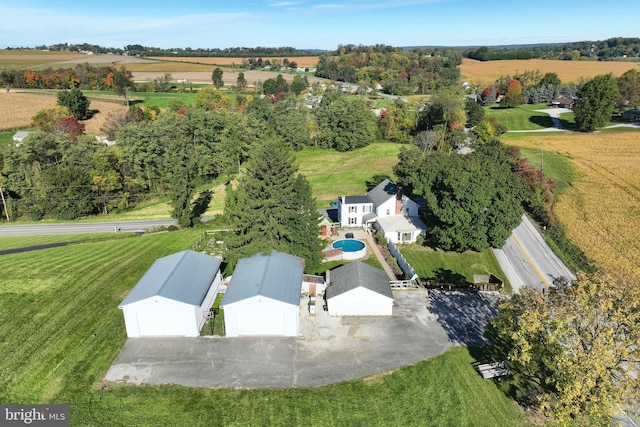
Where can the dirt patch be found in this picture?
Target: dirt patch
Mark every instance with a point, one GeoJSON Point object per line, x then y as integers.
{"type": "Point", "coordinates": [17, 108]}
{"type": "Point", "coordinates": [229, 77]}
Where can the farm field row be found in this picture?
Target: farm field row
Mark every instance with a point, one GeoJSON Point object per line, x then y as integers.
{"type": "Point", "coordinates": [601, 208]}
{"type": "Point", "coordinates": [569, 72]}
{"type": "Point", "coordinates": [302, 61]}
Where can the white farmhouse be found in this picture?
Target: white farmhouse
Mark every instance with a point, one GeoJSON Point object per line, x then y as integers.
{"type": "Point", "coordinates": [174, 296]}
{"type": "Point", "coordinates": [386, 209]}
{"type": "Point", "coordinates": [358, 289]}
{"type": "Point", "coordinates": [263, 297]}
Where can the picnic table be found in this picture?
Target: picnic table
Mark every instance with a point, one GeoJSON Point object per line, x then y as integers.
{"type": "Point", "coordinates": [492, 370]}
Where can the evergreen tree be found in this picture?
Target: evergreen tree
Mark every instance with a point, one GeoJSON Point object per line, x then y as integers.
{"type": "Point", "coordinates": [216, 76]}
{"type": "Point", "coordinates": [76, 102]}
{"type": "Point", "coordinates": [272, 208]}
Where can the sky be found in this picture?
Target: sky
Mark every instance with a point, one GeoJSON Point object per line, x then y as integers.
{"type": "Point", "coordinates": [310, 24]}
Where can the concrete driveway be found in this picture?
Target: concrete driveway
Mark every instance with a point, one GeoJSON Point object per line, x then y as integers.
{"type": "Point", "coordinates": [327, 350]}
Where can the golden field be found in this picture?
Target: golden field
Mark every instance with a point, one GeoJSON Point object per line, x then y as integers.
{"type": "Point", "coordinates": [484, 73]}
{"type": "Point", "coordinates": [302, 61]}
{"type": "Point", "coordinates": [17, 108]}
{"type": "Point", "coordinates": [601, 209]}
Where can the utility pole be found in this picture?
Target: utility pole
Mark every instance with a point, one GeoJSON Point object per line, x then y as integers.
{"type": "Point", "coordinates": [4, 205]}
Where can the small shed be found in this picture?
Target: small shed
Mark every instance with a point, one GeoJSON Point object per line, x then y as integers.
{"type": "Point", "coordinates": [358, 289]}
{"type": "Point", "coordinates": [174, 296]}
{"type": "Point", "coordinates": [632, 115]}
{"type": "Point", "coordinates": [19, 136]}
{"type": "Point", "coordinates": [263, 297]}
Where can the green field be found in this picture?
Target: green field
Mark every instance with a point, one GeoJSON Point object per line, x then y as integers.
{"type": "Point", "coordinates": [523, 117]}
{"type": "Point", "coordinates": [61, 330]}
{"type": "Point", "coordinates": [332, 174]}
{"type": "Point", "coordinates": [6, 138]}
{"type": "Point", "coordinates": [26, 241]}
{"type": "Point", "coordinates": [452, 267]}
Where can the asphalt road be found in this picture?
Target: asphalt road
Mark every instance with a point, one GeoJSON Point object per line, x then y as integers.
{"type": "Point", "coordinates": [527, 260]}
{"type": "Point", "coordinates": [81, 227]}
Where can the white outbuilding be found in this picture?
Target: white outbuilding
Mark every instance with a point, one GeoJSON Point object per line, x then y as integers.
{"type": "Point", "coordinates": [358, 289]}
{"type": "Point", "coordinates": [263, 297]}
{"type": "Point", "coordinates": [174, 296]}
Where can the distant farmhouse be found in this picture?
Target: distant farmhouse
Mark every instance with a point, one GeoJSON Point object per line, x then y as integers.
{"type": "Point", "coordinates": [386, 209]}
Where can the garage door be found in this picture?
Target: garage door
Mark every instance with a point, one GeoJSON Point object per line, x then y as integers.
{"type": "Point", "coordinates": [261, 323]}
{"type": "Point", "coordinates": [161, 324]}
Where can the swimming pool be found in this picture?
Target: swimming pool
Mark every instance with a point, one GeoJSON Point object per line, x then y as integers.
{"type": "Point", "coordinates": [351, 248]}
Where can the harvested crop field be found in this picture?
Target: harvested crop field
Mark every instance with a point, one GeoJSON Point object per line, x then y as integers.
{"type": "Point", "coordinates": [229, 78]}
{"type": "Point", "coordinates": [487, 72]}
{"type": "Point", "coordinates": [601, 209]}
{"type": "Point", "coordinates": [17, 108]}
{"type": "Point", "coordinates": [302, 61]}
{"type": "Point", "coordinates": [22, 59]}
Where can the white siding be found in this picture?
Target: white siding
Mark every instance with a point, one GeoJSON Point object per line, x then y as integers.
{"type": "Point", "coordinates": [158, 316]}
{"type": "Point", "coordinates": [360, 302]}
{"type": "Point", "coordinates": [261, 316]}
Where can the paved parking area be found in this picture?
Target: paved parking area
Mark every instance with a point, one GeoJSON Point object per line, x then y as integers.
{"type": "Point", "coordinates": [327, 350]}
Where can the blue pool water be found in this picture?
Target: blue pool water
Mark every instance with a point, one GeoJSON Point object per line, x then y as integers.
{"type": "Point", "coordinates": [348, 245]}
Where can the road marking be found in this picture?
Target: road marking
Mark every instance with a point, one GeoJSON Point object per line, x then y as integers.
{"type": "Point", "coordinates": [530, 261]}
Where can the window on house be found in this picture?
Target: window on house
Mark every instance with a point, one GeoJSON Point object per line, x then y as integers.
{"type": "Point", "coordinates": [388, 212]}
{"type": "Point", "coordinates": [353, 221]}
{"type": "Point", "coordinates": [353, 209]}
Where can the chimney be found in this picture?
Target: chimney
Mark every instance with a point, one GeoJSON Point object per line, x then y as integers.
{"type": "Point", "coordinates": [399, 201]}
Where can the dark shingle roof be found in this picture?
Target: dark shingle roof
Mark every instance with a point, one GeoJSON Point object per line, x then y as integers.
{"type": "Point", "coordinates": [277, 276]}
{"type": "Point", "coordinates": [382, 192]}
{"type": "Point", "coordinates": [185, 276]}
{"type": "Point", "coordinates": [356, 274]}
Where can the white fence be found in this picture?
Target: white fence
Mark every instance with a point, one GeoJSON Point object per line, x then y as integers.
{"type": "Point", "coordinates": [404, 265]}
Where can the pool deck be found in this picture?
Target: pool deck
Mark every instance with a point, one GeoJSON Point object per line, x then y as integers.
{"type": "Point", "coordinates": [360, 234]}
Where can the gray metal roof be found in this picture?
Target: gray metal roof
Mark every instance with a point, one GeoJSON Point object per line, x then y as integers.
{"type": "Point", "coordinates": [185, 276]}
{"type": "Point", "coordinates": [356, 274]}
{"type": "Point", "coordinates": [382, 192]}
{"type": "Point", "coordinates": [277, 276]}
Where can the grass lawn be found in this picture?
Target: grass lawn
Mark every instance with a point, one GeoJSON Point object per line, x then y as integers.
{"type": "Point", "coordinates": [332, 174]}
{"type": "Point", "coordinates": [523, 117]}
{"type": "Point", "coordinates": [62, 330]}
{"type": "Point", "coordinates": [11, 242]}
{"type": "Point", "coordinates": [6, 138]}
{"type": "Point", "coordinates": [452, 267]}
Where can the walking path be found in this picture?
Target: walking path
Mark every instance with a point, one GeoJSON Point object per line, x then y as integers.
{"type": "Point", "coordinates": [361, 234]}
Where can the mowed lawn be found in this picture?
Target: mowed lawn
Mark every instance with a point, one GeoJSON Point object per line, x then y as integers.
{"type": "Point", "coordinates": [332, 173]}
{"type": "Point", "coordinates": [524, 117]}
{"type": "Point", "coordinates": [61, 330]}
{"type": "Point", "coordinates": [452, 267]}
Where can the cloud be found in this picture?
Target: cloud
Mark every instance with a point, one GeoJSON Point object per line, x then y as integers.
{"type": "Point", "coordinates": [286, 3]}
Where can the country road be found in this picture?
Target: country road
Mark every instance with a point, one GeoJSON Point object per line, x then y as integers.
{"type": "Point", "coordinates": [81, 227]}
{"type": "Point", "coordinates": [527, 260]}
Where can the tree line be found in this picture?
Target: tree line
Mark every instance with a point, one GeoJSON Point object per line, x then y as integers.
{"type": "Point", "coordinates": [397, 71]}
{"type": "Point", "coordinates": [613, 49]}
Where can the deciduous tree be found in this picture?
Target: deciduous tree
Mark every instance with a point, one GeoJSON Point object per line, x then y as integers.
{"type": "Point", "coordinates": [76, 102]}
{"type": "Point", "coordinates": [577, 345]}
{"type": "Point", "coordinates": [629, 88]}
{"type": "Point", "coordinates": [595, 102]}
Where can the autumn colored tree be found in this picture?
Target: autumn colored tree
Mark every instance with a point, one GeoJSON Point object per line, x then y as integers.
{"type": "Point", "coordinates": [45, 120]}
{"type": "Point", "coordinates": [71, 126]}
{"type": "Point", "coordinates": [513, 96]}
{"type": "Point", "coordinates": [489, 95]}
{"type": "Point", "coordinates": [577, 346]}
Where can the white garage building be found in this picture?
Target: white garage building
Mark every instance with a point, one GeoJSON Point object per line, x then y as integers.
{"type": "Point", "coordinates": [263, 297]}
{"type": "Point", "coordinates": [173, 297]}
{"type": "Point", "coordinates": [358, 289]}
